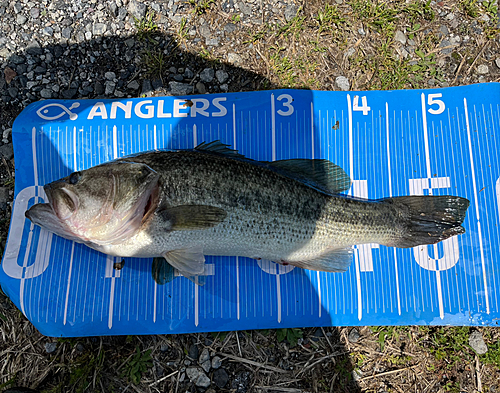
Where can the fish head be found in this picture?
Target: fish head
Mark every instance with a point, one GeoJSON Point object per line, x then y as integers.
{"type": "Point", "coordinates": [106, 204]}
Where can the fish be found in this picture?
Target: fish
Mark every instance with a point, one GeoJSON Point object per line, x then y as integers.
{"type": "Point", "coordinates": [178, 206]}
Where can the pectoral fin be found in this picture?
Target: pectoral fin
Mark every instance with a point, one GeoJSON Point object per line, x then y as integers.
{"type": "Point", "coordinates": [190, 262]}
{"type": "Point", "coordinates": [337, 261]}
{"type": "Point", "coordinates": [193, 217]}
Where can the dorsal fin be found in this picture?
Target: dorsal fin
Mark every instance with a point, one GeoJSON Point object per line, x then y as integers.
{"type": "Point", "coordinates": [321, 174]}
{"type": "Point", "coordinates": [219, 148]}
{"type": "Point", "coordinates": [318, 173]}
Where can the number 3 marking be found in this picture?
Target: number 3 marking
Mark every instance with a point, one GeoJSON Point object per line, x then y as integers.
{"type": "Point", "coordinates": [432, 101]}
{"type": "Point", "coordinates": [287, 104]}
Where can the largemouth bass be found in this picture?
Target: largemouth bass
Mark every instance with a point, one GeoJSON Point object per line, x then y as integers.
{"type": "Point", "coordinates": [182, 205]}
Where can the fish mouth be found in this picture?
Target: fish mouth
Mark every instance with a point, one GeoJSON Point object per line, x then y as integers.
{"type": "Point", "coordinates": [43, 214]}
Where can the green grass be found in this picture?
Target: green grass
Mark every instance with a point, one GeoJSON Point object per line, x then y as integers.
{"type": "Point", "coordinates": [137, 365]}
{"type": "Point", "coordinates": [146, 28]}
{"type": "Point", "coordinates": [200, 6]}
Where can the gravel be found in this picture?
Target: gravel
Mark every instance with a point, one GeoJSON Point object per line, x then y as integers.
{"type": "Point", "coordinates": [477, 343]}
{"type": "Point", "coordinates": [342, 83]}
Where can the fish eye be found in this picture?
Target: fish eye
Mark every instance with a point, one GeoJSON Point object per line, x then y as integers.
{"type": "Point", "coordinates": [74, 177]}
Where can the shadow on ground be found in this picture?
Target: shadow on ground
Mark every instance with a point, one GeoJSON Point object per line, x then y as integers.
{"type": "Point", "coordinates": [120, 67]}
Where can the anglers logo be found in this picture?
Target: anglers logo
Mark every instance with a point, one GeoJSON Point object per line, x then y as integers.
{"type": "Point", "coordinates": [57, 113]}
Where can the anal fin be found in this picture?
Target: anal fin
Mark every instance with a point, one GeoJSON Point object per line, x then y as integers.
{"type": "Point", "coordinates": [336, 261]}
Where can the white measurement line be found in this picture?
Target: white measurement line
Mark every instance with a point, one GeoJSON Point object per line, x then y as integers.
{"type": "Point", "coordinates": [312, 130]}
{"type": "Point", "coordinates": [69, 283]}
{"type": "Point", "coordinates": [390, 195]}
{"type": "Point", "coordinates": [476, 203]}
{"type": "Point", "coordinates": [237, 259]}
{"type": "Point", "coordinates": [196, 287]}
{"type": "Point", "coordinates": [155, 143]}
{"type": "Point", "coordinates": [429, 176]}
{"type": "Point", "coordinates": [351, 173]}
{"type": "Point", "coordinates": [273, 129]}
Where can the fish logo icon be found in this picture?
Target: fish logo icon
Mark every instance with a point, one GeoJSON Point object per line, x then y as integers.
{"type": "Point", "coordinates": [45, 112]}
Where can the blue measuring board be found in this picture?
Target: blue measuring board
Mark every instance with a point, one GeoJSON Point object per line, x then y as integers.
{"type": "Point", "coordinates": [419, 142]}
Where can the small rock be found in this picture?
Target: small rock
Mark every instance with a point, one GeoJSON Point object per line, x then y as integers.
{"type": "Point", "coordinates": [234, 58]}
{"type": "Point", "coordinates": [188, 74]}
{"type": "Point", "coordinates": [113, 9]}
{"type": "Point", "coordinates": [99, 28]}
{"type": "Point", "coordinates": [134, 85]}
{"type": "Point", "coordinates": [46, 93]}
{"type": "Point", "coordinates": [216, 362]}
{"type": "Point", "coordinates": [146, 86]}
{"type": "Point", "coordinates": [497, 62]}
{"type": "Point", "coordinates": [180, 89]}
{"type": "Point", "coordinates": [206, 366]}
{"type": "Point", "coordinates": [70, 93]}
{"type": "Point", "coordinates": [21, 19]}
{"type": "Point", "coordinates": [207, 75]}
{"type": "Point", "coordinates": [130, 42]}
{"type": "Point", "coordinates": [48, 31]}
{"type": "Point", "coordinates": [212, 42]}
{"type": "Point", "coordinates": [201, 88]}
{"type": "Point", "coordinates": [482, 69]}
{"type": "Point", "coordinates": [205, 355]}
{"type": "Point", "coordinates": [110, 75]}
{"type": "Point", "coordinates": [205, 31]}
{"type": "Point", "coordinates": [290, 12]}
{"type": "Point", "coordinates": [342, 83]}
{"type": "Point", "coordinates": [198, 377]}
{"type": "Point", "coordinates": [35, 12]}
{"type": "Point", "coordinates": [99, 88]}
{"type": "Point", "coordinates": [50, 347]}
{"type": "Point", "coordinates": [443, 44]}
{"type": "Point", "coordinates": [230, 27]}
{"type": "Point", "coordinates": [400, 37]}
{"type": "Point", "coordinates": [137, 9]}
{"type": "Point", "coordinates": [221, 76]}
{"type": "Point", "coordinates": [477, 343]}
{"type": "Point", "coordinates": [66, 32]}
{"type": "Point", "coordinates": [9, 74]}
{"type": "Point", "coordinates": [109, 87]}
{"type": "Point", "coordinates": [6, 135]}
{"type": "Point", "coordinates": [361, 31]}
{"type": "Point", "coordinates": [122, 13]}
{"type": "Point", "coordinates": [13, 92]}
{"type": "Point", "coordinates": [4, 195]}
{"type": "Point", "coordinates": [220, 377]}
{"type": "Point", "coordinates": [357, 374]}
{"type": "Point", "coordinates": [7, 151]}
{"type": "Point", "coordinates": [157, 84]}
{"type": "Point", "coordinates": [33, 48]}
{"type": "Point", "coordinates": [353, 335]}
{"type": "Point", "coordinates": [444, 30]}
{"type": "Point", "coordinates": [193, 349]}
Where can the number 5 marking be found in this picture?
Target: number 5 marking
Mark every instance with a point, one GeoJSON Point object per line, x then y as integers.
{"type": "Point", "coordinates": [431, 100]}
{"type": "Point", "coordinates": [287, 104]}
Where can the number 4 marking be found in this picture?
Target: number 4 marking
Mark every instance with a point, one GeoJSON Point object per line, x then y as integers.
{"type": "Point", "coordinates": [364, 105]}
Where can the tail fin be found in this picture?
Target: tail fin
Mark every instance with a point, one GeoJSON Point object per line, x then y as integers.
{"type": "Point", "coordinates": [430, 219]}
